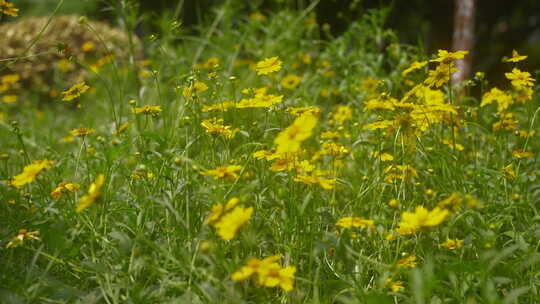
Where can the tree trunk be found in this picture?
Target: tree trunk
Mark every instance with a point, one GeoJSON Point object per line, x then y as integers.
{"type": "Point", "coordinates": [463, 38]}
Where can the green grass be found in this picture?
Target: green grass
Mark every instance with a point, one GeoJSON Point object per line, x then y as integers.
{"type": "Point", "coordinates": [146, 240]}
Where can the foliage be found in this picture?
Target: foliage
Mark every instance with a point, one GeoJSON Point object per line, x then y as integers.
{"type": "Point", "coordinates": [184, 176]}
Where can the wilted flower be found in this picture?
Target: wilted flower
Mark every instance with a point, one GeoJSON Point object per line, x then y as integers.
{"type": "Point", "coordinates": [24, 235]}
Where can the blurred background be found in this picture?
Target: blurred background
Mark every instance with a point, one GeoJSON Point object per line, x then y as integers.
{"type": "Point", "coordinates": [500, 25]}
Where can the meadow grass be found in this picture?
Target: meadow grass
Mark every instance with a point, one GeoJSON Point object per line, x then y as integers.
{"type": "Point", "coordinates": [178, 176]}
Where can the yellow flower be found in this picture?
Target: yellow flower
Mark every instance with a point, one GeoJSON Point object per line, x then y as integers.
{"type": "Point", "coordinates": [407, 262]}
{"type": "Point", "coordinates": [254, 266]}
{"type": "Point", "coordinates": [214, 126]}
{"type": "Point", "coordinates": [23, 235]}
{"type": "Point", "coordinates": [260, 101]}
{"type": "Point", "coordinates": [268, 66]}
{"type": "Point", "coordinates": [64, 65]}
{"type": "Point", "coordinates": [10, 79]}
{"type": "Point", "coordinates": [356, 222]}
{"type": "Point", "coordinates": [7, 8]}
{"type": "Point", "coordinates": [503, 99]}
{"type": "Point", "coordinates": [384, 157]}
{"type": "Point", "coordinates": [332, 148]}
{"type": "Point", "coordinates": [414, 66]}
{"type": "Point", "coordinates": [82, 131]}
{"type": "Point", "coordinates": [509, 172]}
{"type": "Point", "coordinates": [395, 286]}
{"type": "Point", "coordinates": [289, 140]}
{"type": "Point", "coordinates": [121, 129]}
{"type": "Point", "coordinates": [274, 275]}
{"type": "Point", "coordinates": [30, 172]}
{"type": "Point", "coordinates": [522, 154]}
{"type": "Point", "coordinates": [87, 46]}
{"type": "Point", "coordinates": [519, 78]}
{"type": "Point", "coordinates": [147, 109]}
{"type": "Point", "coordinates": [314, 179]}
{"type": "Point", "coordinates": [257, 16]}
{"type": "Point", "coordinates": [290, 81]}
{"type": "Point", "coordinates": [62, 188]}
{"type": "Point", "coordinates": [93, 194]}
{"type": "Point", "coordinates": [452, 244]}
{"type": "Point", "coordinates": [440, 76]}
{"type": "Point", "coordinates": [515, 57]}
{"type": "Point", "coordinates": [421, 218]}
{"type": "Point", "coordinates": [342, 113]}
{"type": "Point", "coordinates": [75, 91]}
{"type": "Point", "coordinates": [218, 210]}
{"type": "Point", "coordinates": [211, 63]}
{"type": "Point", "coordinates": [228, 172]}
{"type": "Point", "coordinates": [230, 223]}
{"type": "Point", "coordinates": [445, 57]}
{"type": "Point", "coordinates": [10, 98]}
{"type": "Point", "coordinates": [267, 155]}
{"type": "Point", "coordinates": [220, 107]}
{"type": "Point", "coordinates": [401, 172]}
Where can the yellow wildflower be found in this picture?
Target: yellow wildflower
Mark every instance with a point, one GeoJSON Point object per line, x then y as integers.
{"type": "Point", "coordinates": [24, 235]}
{"type": "Point", "coordinates": [355, 222]}
{"type": "Point", "coordinates": [254, 266]}
{"type": "Point", "coordinates": [440, 76]}
{"type": "Point", "coordinates": [267, 155]}
{"type": "Point", "coordinates": [452, 244]}
{"type": "Point", "coordinates": [290, 81]}
{"type": "Point", "coordinates": [414, 66]}
{"type": "Point", "coordinates": [214, 126]}
{"type": "Point", "coordinates": [445, 57]}
{"type": "Point", "coordinates": [75, 91]}
{"type": "Point", "coordinates": [519, 78]}
{"type": "Point", "coordinates": [314, 179]}
{"type": "Point", "coordinates": [147, 109]}
{"type": "Point", "coordinates": [407, 262]}
{"type": "Point", "coordinates": [82, 131]}
{"type": "Point", "coordinates": [218, 210]}
{"type": "Point", "coordinates": [7, 8]}
{"type": "Point", "coordinates": [93, 194]}
{"type": "Point", "coordinates": [87, 46]}
{"type": "Point", "coordinates": [10, 98]}
{"type": "Point", "coordinates": [121, 129]}
{"type": "Point", "coordinates": [220, 107]}
{"type": "Point", "coordinates": [62, 188]}
{"type": "Point", "coordinates": [64, 65]}
{"type": "Point", "coordinates": [30, 172]}
{"type": "Point", "coordinates": [342, 113]}
{"type": "Point", "coordinates": [274, 275]}
{"type": "Point", "coordinates": [516, 57]}
{"type": "Point", "coordinates": [395, 285]}
{"type": "Point", "coordinates": [230, 223]}
{"type": "Point", "coordinates": [289, 140]}
{"type": "Point", "coordinates": [384, 157]}
{"type": "Point", "coordinates": [503, 99]}
{"type": "Point", "coordinates": [268, 66]}
{"type": "Point", "coordinates": [522, 154]}
{"type": "Point", "coordinates": [228, 172]}
{"type": "Point", "coordinates": [509, 172]}
{"type": "Point", "coordinates": [421, 218]}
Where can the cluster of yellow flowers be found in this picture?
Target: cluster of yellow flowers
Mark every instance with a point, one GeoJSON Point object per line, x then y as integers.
{"type": "Point", "coordinates": [7, 8]}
